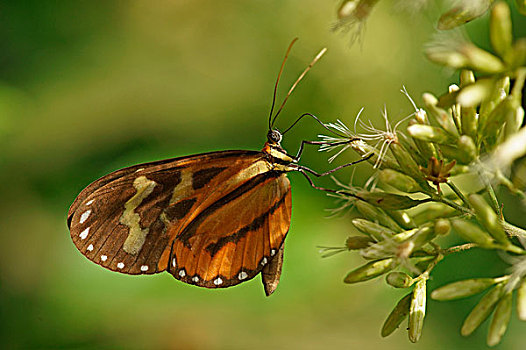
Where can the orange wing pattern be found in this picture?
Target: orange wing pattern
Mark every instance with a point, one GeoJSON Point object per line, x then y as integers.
{"type": "Point", "coordinates": [219, 216]}
{"type": "Point", "coordinates": [232, 240]}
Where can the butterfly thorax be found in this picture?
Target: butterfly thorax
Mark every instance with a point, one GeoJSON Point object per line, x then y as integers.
{"type": "Point", "coordinates": [278, 157]}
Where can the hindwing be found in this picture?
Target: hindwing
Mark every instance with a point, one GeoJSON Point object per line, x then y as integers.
{"type": "Point", "coordinates": [233, 239]}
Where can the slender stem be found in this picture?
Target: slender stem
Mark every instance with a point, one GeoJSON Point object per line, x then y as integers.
{"type": "Point", "coordinates": [493, 199]}
{"type": "Point", "coordinates": [509, 248]}
{"type": "Point", "coordinates": [459, 248]}
{"type": "Point", "coordinates": [458, 193]}
{"type": "Point", "coordinates": [509, 185]}
{"type": "Point", "coordinates": [452, 204]}
{"type": "Point", "coordinates": [513, 230]}
{"type": "Point", "coordinates": [489, 189]}
{"type": "Point", "coordinates": [431, 266]}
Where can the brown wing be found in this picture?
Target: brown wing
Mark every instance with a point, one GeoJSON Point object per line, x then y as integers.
{"type": "Point", "coordinates": [233, 239]}
{"type": "Point", "coordinates": [126, 220]}
{"type": "Point", "coordinates": [271, 273]}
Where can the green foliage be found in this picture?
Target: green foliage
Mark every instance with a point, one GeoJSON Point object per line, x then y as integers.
{"type": "Point", "coordinates": [474, 130]}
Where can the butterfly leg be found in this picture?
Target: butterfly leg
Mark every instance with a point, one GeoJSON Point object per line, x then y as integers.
{"type": "Point", "coordinates": [306, 171]}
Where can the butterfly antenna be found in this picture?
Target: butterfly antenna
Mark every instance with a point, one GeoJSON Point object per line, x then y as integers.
{"type": "Point", "coordinates": [277, 81]}
{"type": "Point", "coordinates": [316, 59]}
{"type": "Point", "coordinates": [316, 119]}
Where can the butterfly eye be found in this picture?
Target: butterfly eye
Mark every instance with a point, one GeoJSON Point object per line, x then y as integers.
{"type": "Point", "coordinates": [274, 136]}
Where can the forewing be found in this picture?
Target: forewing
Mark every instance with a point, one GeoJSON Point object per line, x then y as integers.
{"type": "Point", "coordinates": [232, 240]}
{"type": "Point", "coordinates": [123, 221]}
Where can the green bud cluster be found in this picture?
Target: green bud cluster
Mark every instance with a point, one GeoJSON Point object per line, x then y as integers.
{"type": "Point", "coordinates": [416, 199]}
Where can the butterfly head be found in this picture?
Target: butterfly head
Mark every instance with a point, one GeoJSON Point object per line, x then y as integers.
{"type": "Point", "coordinates": [274, 137]}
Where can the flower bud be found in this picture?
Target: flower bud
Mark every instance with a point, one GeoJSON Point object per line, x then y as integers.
{"type": "Point", "coordinates": [370, 270]}
{"type": "Point", "coordinates": [431, 211]}
{"type": "Point", "coordinates": [399, 313]}
{"type": "Point", "coordinates": [388, 247]}
{"type": "Point", "coordinates": [518, 53]}
{"type": "Point", "coordinates": [521, 300]}
{"type": "Point", "coordinates": [474, 94]}
{"type": "Point", "coordinates": [388, 201]}
{"type": "Point", "coordinates": [417, 311]}
{"type": "Point", "coordinates": [423, 236]}
{"type": "Point", "coordinates": [372, 229]}
{"type": "Point", "coordinates": [399, 181]}
{"type": "Point", "coordinates": [402, 218]}
{"type": "Point", "coordinates": [505, 110]}
{"type": "Point", "coordinates": [376, 215]}
{"type": "Point", "coordinates": [448, 57]}
{"type": "Point", "coordinates": [452, 152]}
{"type": "Point", "coordinates": [466, 77]}
{"type": "Point", "coordinates": [500, 29]}
{"type": "Point", "coordinates": [498, 90]}
{"type": "Point", "coordinates": [399, 279]}
{"type": "Point", "coordinates": [347, 8]}
{"type": "Point", "coordinates": [358, 242]}
{"type": "Point", "coordinates": [408, 165]}
{"type": "Point", "coordinates": [514, 120]}
{"type": "Point", "coordinates": [462, 289]}
{"type": "Point", "coordinates": [468, 115]}
{"type": "Point", "coordinates": [463, 13]}
{"type": "Point", "coordinates": [430, 133]}
{"type": "Point", "coordinates": [467, 148]}
{"type": "Point", "coordinates": [449, 99]}
{"type": "Point", "coordinates": [481, 60]}
{"type": "Point", "coordinates": [421, 117]}
{"type": "Point", "coordinates": [500, 320]}
{"type": "Point", "coordinates": [442, 227]}
{"type": "Point", "coordinates": [427, 149]}
{"type": "Point", "coordinates": [356, 9]}
{"type": "Point", "coordinates": [472, 233]}
{"type": "Point", "coordinates": [488, 218]}
{"type": "Point", "coordinates": [481, 311]}
{"type": "Point", "coordinates": [405, 160]}
{"type": "Point", "coordinates": [408, 145]}
{"type": "Point", "coordinates": [443, 118]}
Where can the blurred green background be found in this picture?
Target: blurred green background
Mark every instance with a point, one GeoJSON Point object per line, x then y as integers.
{"type": "Point", "coordinates": [89, 87]}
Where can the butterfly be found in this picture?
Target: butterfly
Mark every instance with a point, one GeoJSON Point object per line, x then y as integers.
{"type": "Point", "coordinates": [212, 220]}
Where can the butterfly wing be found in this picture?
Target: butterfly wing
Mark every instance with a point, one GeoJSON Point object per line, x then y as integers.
{"type": "Point", "coordinates": [271, 273]}
{"type": "Point", "coordinates": [134, 220]}
{"type": "Point", "coordinates": [233, 239]}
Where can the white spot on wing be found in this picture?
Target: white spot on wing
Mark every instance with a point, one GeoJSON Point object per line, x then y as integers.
{"type": "Point", "coordinates": [144, 268]}
{"type": "Point", "coordinates": [84, 216]}
{"type": "Point", "coordinates": [84, 233]}
{"type": "Point", "coordinates": [174, 262]}
{"type": "Point", "coordinates": [89, 202]}
{"type": "Point", "coordinates": [120, 265]}
{"type": "Point", "coordinates": [195, 279]}
{"type": "Point", "coordinates": [90, 247]}
{"type": "Point", "coordinates": [242, 275]}
{"type": "Point", "coordinates": [182, 273]}
{"type": "Point", "coordinates": [218, 281]}
{"type": "Point", "coordinates": [264, 261]}
{"type": "Point", "coordinates": [273, 252]}
{"type": "Point", "coordinates": [103, 257]}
